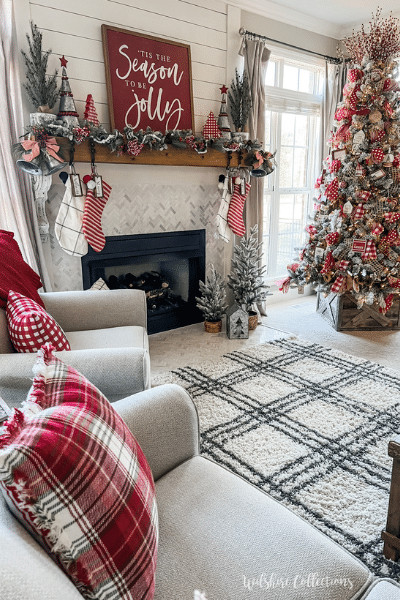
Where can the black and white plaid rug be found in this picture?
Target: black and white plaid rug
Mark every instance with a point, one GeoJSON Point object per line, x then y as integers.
{"type": "Point", "coordinates": [310, 426]}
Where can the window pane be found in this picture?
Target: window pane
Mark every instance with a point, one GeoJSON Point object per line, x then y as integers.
{"type": "Point", "coordinates": [300, 168]}
{"type": "Point", "coordinates": [286, 167]}
{"type": "Point", "coordinates": [266, 229]}
{"type": "Point", "coordinates": [268, 130]}
{"type": "Point", "coordinates": [290, 77]}
{"type": "Point", "coordinates": [306, 81]}
{"type": "Point", "coordinates": [270, 75]}
{"type": "Point", "coordinates": [301, 130]}
{"type": "Point", "coordinates": [287, 134]}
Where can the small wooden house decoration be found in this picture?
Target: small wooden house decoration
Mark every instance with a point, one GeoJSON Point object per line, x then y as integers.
{"type": "Point", "coordinates": [237, 323]}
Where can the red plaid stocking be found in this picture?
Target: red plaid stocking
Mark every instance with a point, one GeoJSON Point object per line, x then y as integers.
{"type": "Point", "coordinates": [235, 211]}
{"type": "Point", "coordinates": [92, 214]}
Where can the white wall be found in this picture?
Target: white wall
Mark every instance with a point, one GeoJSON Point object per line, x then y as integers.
{"type": "Point", "coordinates": [73, 28]}
{"type": "Point", "coordinates": [211, 27]}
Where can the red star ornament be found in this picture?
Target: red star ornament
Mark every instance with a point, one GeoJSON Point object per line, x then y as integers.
{"type": "Point", "coordinates": [224, 89]}
{"type": "Point", "coordinates": [63, 61]}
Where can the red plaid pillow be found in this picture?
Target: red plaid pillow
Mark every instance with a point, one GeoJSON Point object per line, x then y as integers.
{"type": "Point", "coordinates": [30, 326]}
{"type": "Point", "coordinates": [74, 473]}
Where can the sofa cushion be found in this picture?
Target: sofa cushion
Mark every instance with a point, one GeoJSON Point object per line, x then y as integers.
{"type": "Point", "coordinates": [131, 336]}
{"type": "Point", "coordinates": [5, 343]}
{"type": "Point", "coordinates": [30, 326]}
{"type": "Point", "coordinates": [15, 273]}
{"type": "Point", "coordinates": [220, 535]}
{"type": "Point", "coordinates": [26, 570]}
{"type": "Point", "coordinates": [75, 475]}
{"type": "Point", "coordinates": [384, 589]}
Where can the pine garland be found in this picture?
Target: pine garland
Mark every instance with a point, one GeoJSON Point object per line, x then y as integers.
{"type": "Point", "coordinates": [40, 88]}
{"type": "Point", "coordinates": [213, 296]}
{"type": "Point", "coordinates": [246, 278]}
{"type": "Point", "coordinates": [239, 101]}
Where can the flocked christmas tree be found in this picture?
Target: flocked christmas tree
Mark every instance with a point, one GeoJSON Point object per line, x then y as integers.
{"type": "Point", "coordinates": [41, 89]}
{"type": "Point", "coordinates": [246, 277]}
{"type": "Point", "coordinates": [239, 101]}
{"type": "Point", "coordinates": [354, 240]}
{"type": "Point", "coordinates": [213, 296]}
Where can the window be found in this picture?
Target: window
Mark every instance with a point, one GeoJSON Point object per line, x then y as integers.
{"type": "Point", "coordinates": [294, 88]}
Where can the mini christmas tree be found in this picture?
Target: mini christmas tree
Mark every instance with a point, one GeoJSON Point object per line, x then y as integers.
{"type": "Point", "coordinates": [354, 242]}
{"type": "Point", "coordinates": [213, 296]}
{"type": "Point", "coordinates": [246, 278]}
{"type": "Point", "coordinates": [90, 113]}
{"type": "Point", "coordinates": [239, 101]}
{"type": "Point", "coordinates": [223, 121]}
{"type": "Point", "coordinates": [210, 129]}
{"type": "Point", "coordinates": [40, 88]}
{"type": "Point", "coordinates": [67, 110]}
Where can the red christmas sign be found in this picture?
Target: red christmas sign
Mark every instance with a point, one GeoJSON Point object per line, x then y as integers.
{"type": "Point", "coordinates": [149, 81]}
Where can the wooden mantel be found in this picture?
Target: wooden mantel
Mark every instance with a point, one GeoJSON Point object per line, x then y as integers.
{"type": "Point", "coordinates": [172, 156]}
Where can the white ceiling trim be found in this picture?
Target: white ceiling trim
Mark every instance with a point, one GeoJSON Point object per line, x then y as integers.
{"type": "Point", "coordinates": [269, 9]}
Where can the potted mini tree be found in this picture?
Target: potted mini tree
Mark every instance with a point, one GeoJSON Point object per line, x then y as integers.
{"type": "Point", "coordinates": [246, 277]}
{"type": "Point", "coordinates": [212, 301]}
{"type": "Point", "coordinates": [239, 103]}
{"type": "Point", "coordinates": [41, 88]}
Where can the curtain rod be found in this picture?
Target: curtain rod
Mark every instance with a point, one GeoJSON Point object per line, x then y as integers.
{"type": "Point", "coordinates": [256, 36]}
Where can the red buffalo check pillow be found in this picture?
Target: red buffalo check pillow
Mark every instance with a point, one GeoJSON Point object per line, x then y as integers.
{"type": "Point", "coordinates": [30, 326]}
{"type": "Point", "coordinates": [73, 472]}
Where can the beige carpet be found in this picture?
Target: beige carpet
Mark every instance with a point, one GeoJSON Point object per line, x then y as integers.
{"type": "Point", "coordinates": [308, 424]}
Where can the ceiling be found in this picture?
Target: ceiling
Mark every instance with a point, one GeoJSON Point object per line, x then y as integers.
{"type": "Point", "coordinates": [335, 18]}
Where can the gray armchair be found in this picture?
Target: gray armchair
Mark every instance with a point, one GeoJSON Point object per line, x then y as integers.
{"type": "Point", "coordinates": [108, 338]}
{"type": "Point", "coordinates": [218, 533]}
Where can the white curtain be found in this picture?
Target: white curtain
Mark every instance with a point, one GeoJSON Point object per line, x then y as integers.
{"type": "Point", "coordinates": [17, 209]}
{"type": "Point", "coordinates": [256, 57]}
{"type": "Point", "coordinates": [335, 78]}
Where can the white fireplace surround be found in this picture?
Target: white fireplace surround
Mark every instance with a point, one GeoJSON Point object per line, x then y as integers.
{"type": "Point", "coordinates": [145, 199]}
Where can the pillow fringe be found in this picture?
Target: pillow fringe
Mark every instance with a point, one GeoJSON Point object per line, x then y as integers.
{"type": "Point", "coordinates": [12, 427]}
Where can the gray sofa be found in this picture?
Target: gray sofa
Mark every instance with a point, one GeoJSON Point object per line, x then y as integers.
{"type": "Point", "coordinates": [218, 533]}
{"type": "Point", "coordinates": [107, 332]}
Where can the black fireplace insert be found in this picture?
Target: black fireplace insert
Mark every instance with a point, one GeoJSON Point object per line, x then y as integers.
{"type": "Point", "coordinates": [166, 266]}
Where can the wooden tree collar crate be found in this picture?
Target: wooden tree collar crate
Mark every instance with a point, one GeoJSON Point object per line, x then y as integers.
{"type": "Point", "coordinates": [342, 313]}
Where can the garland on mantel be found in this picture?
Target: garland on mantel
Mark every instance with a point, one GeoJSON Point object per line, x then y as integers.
{"type": "Point", "coordinates": [132, 142]}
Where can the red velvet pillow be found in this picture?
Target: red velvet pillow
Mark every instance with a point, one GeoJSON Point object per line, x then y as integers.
{"type": "Point", "coordinates": [30, 326]}
{"type": "Point", "coordinates": [72, 471]}
{"type": "Point", "coordinates": [15, 273]}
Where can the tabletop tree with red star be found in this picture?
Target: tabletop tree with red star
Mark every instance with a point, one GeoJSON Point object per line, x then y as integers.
{"type": "Point", "coordinates": [67, 110]}
{"type": "Point", "coordinates": [354, 241]}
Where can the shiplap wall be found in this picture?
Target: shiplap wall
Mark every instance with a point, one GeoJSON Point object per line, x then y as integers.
{"type": "Point", "coordinates": [73, 28]}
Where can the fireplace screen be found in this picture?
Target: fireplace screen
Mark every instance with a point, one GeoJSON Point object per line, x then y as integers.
{"type": "Point", "coordinates": [166, 266]}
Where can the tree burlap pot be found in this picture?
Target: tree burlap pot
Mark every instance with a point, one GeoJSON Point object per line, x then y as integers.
{"type": "Point", "coordinates": [213, 326]}
{"type": "Point", "coordinates": [253, 320]}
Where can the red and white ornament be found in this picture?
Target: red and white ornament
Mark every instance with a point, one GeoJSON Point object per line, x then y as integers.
{"type": "Point", "coordinates": [354, 75]}
{"type": "Point", "coordinates": [332, 238]}
{"type": "Point", "coordinates": [359, 212]}
{"type": "Point", "coordinates": [332, 190]}
{"type": "Point", "coordinates": [377, 155]}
